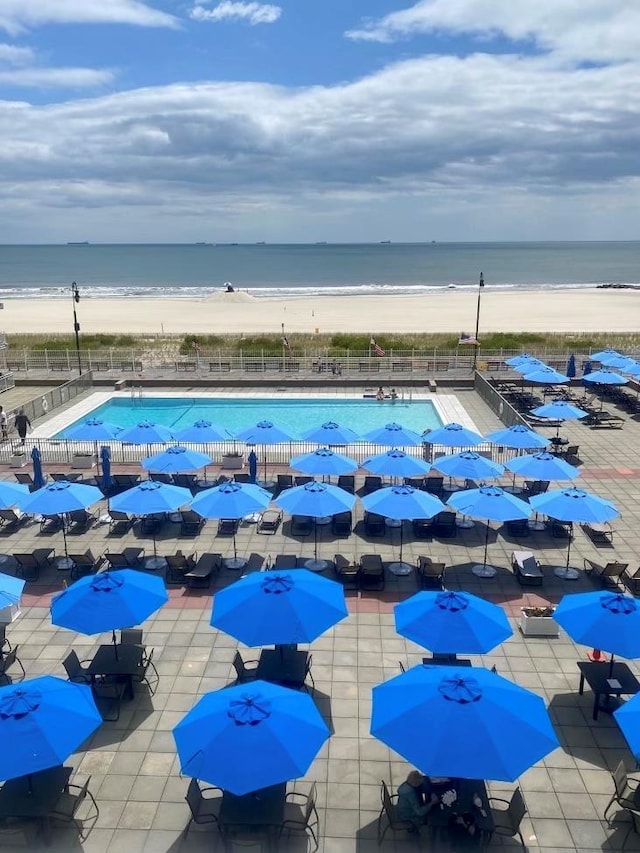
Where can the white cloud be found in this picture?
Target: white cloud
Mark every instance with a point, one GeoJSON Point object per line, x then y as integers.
{"type": "Point", "coordinates": [229, 10]}
{"type": "Point", "coordinates": [16, 16]}
{"type": "Point", "coordinates": [12, 55]}
{"type": "Point", "coordinates": [479, 147]}
{"type": "Point", "coordinates": [55, 78]}
{"type": "Point", "coordinates": [599, 30]}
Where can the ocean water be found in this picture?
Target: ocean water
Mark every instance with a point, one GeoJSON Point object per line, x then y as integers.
{"type": "Point", "coordinates": [295, 416]}
{"type": "Point", "coordinates": [321, 269]}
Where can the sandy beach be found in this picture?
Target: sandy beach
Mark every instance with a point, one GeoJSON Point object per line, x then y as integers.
{"type": "Point", "coordinates": [585, 310]}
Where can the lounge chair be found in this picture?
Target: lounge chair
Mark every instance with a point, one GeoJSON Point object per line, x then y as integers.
{"type": "Point", "coordinates": [186, 481]}
{"type": "Point", "coordinates": [151, 524]}
{"type": "Point", "coordinates": [444, 525]}
{"type": "Point", "coordinates": [125, 481]}
{"type": "Point", "coordinates": [374, 524]}
{"type": "Point", "coordinates": [84, 564]}
{"type": "Point", "coordinates": [66, 478]}
{"type": "Point", "coordinates": [269, 521]}
{"type": "Point", "coordinates": [347, 571]}
{"type": "Point", "coordinates": [129, 558]}
{"type": "Point", "coordinates": [415, 482]}
{"type": "Point", "coordinates": [517, 528]}
{"type": "Point", "coordinates": [190, 523]}
{"type": "Point", "coordinates": [422, 528]}
{"type": "Point", "coordinates": [159, 477]}
{"type": "Point", "coordinates": [52, 523]}
{"type": "Point", "coordinates": [527, 568]}
{"type": "Point", "coordinates": [227, 526]}
{"type": "Point", "coordinates": [372, 484]}
{"type": "Point", "coordinates": [178, 565]}
{"type": "Point", "coordinates": [26, 479]}
{"type": "Point", "coordinates": [430, 573]}
{"type": "Point", "coordinates": [347, 482]}
{"type": "Point", "coordinates": [119, 523]}
{"type": "Point", "coordinates": [12, 519]}
{"type": "Point", "coordinates": [283, 481]}
{"type": "Point", "coordinates": [610, 574]}
{"type": "Point", "coordinates": [632, 581]}
{"type": "Point", "coordinates": [342, 523]}
{"type": "Point", "coordinates": [301, 525]}
{"type": "Point", "coordinates": [285, 561]}
{"type": "Point", "coordinates": [80, 520]}
{"type": "Point", "coordinates": [601, 534]}
{"type": "Point", "coordinates": [371, 572]}
{"type": "Point", "coordinates": [206, 567]}
{"type": "Point", "coordinates": [535, 487]}
{"type": "Point", "coordinates": [433, 485]}
{"type": "Point", "coordinates": [303, 480]}
{"type": "Point", "coordinates": [29, 565]}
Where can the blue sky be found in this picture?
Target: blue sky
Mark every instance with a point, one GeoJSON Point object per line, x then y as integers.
{"type": "Point", "coordinates": [302, 120]}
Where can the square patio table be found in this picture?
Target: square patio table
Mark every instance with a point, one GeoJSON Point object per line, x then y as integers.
{"type": "Point", "coordinates": [440, 817]}
{"type": "Point", "coordinates": [598, 675]}
{"type": "Point", "coordinates": [259, 810]}
{"type": "Point", "coordinates": [282, 666]}
{"type": "Point", "coordinates": [35, 795]}
{"type": "Point", "coordinates": [121, 660]}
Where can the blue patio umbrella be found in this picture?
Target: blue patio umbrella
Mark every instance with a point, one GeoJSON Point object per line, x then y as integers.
{"type": "Point", "coordinates": [201, 432]}
{"type": "Point", "coordinates": [42, 722]}
{"type": "Point", "coordinates": [330, 433]}
{"type": "Point", "coordinates": [628, 719]}
{"type": "Point", "coordinates": [106, 480]}
{"type": "Point", "coordinates": [448, 622]}
{"type": "Point", "coordinates": [151, 498]}
{"type": "Point", "coordinates": [231, 500]}
{"type": "Point", "coordinates": [546, 376]}
{"type": "Point", "coordinates": [38, 476]}
{"type": "Point", "coordinates": [604, 377]}
{"type": "Point", "coordinates": [516, 359]}
{"type": "Point", "coordinates": [559, 410]}
{"type": "Point", "coordinates": [468, 466]}
{"type": "Point", "coordinates": [108, 600]}
{"type": "Point", "coordinates": [146, 432]}
{"type": "Point", "coordinates": [518, 436]}
{"type": "Point", "coordinates": [60, 497]}
{"type": "Point", "coordinates": [489, 503]}
{"type": "Point", "coordinates": [571, 366]}
{"type": "Point", "coordinates": [176, 459]}
{"type": "Point", "coordinates": [402, 503]}
{"type": "Point", "coordinates": [617, 362]}
{"type": "Point", "coordinates": [323, 461]}
{"type": "Point", "coordinates": [250, 736]}
{"type": "Point", "coordinates": [93, 429]}
{"type": "Point", "coordinates": [393, 435]}
{"type": "Point", "coordinates": [609, 621]}
{"type": "Point", "coordinates": [529, 365]}
{"type": "Point", "coordinates": [632, 367]}
{"type": "Point", "coordinates": [481, 726]}
{"type": "Point", "coordinates": [396, 463]}
{"type": "Point", "coordinates": [453, 435]}
{"type": "Point", "coordinates": [604, 354]}
{"type": "Point", "coordinates": [10, 590]}
{"type": "Point", "coordinates": [317, 500]}
{"type": "Point", "coordinates": [12, 494]}
{"type": "Point", "coordinates": [573, 505]}
{"type": "Point", "coordinates": [542, 466]}
{"type": "Point", "coordinates": [253, 466]}
{"type": "Point", "coordinates": [279, 608]}
{"type": "Point", "coordinates": [264, 433]}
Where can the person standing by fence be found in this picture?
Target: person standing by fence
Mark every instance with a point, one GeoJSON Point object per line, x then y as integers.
{"type": "Point", "coordinates": [22, 424]}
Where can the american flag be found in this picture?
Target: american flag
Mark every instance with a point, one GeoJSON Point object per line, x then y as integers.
{"type": "Point", "coordinates": [468, 339]}
{"type": "Point", "coordinates": [285, 342]}
{"type": "Point", "coordinates": [377, 349]}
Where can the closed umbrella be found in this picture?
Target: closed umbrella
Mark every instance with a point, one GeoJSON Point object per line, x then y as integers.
{"type": "Point", "coordinates": [59, 498]}
{"type": "Point", "coordinates": [448, 622]}
{"type": "Point", "coordinates": [279, 608]}
{"type": "Point", "coordinates": [330, 433]}
{"type": "Point", "coordinates": [481, 726]}
{"type": "Point", "coordinates": [106, 481]}
{"type": "Point", "coordinates": [571, 367]}
{"type": "Point", "coordinates": [402, 503]}
{"type": "Point", "coordinates": [396, 463]}
{"type": "Point", "coordinates": [42, 722]}
{"type": "Point", "coordinates": [253, 466]}
{"type": "Point", "coordinates": [393, 435]}
{"type": "Point", "coordinates": [317, 500]}
{"type": "Point", "coordinates": [151, 498]}
{"type": "Point", "coordinates": [573, 505]}
{"type": "Point", "coordinates": [264, 433]}
{"type": "Point", "coordinates": [250, 736]}
{"type": "Point", "coordinates": [234, 501]}
{"type": "Point", "coordinates": [489, 503]}
{"type": "Point", "coordinates": [38, 476]}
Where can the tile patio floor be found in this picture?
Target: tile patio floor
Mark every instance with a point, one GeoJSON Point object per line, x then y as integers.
{"type": "Point", "coordinates": [133, 765]}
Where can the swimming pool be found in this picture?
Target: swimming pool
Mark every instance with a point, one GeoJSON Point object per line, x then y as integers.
{"type": "Point", "coordinates": [295, 415]}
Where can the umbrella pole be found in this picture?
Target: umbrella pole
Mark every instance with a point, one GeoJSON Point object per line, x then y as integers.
{"type": "Point", "coordinates": [115, 644]}
{"type": "Point", "coordinates": [486, 544]}
{"type": "Point", "coordinates": [569, 548]}
{"type": "Point", "coordinates": [315, 539]}
{"type": "Point", "coordinates": [64, 536]}
{"type": "Point", "coordinates": [401, 537]}
{"type": "Point", "coordinates": [611, 667]}
{"type": "Point", "coordinates": [235, 553]}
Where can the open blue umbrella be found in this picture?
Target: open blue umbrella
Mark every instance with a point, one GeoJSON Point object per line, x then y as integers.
{"type": "Point", "coordinates": [489, 503]}
{"type": "Point", "coordinates": [529, 365]}
{"type": "Point", "coordinates": [42, 722]}
{"type": "Point", "coordinates": [542, 466]}
{"type": "Point", "coordinates": [448, 622]}
{"type": "Point", "coordinates": [393, 435]}
{"type": "Point", "coordinates": [632, 367]}
{"type": "Point", "coordinates": [604, 354]}
{"type": "Point", "coordinates": [279, 608]}
{"type": "Point", "coordinates": [604, 377]}
{"type": "Point", "coordinates": [396, 463]}
{"type": "Point", "coordinates": [628, 719]}
{"type": "Point", "coordinates": [60, 497]}
{"type": "Point", "coordinates": [264, 433]}
{"type": "Point", "coordinates": [517, 436]}
{"type": "Point", "coordinates": [617, 362]}
{"type": "Point", "coordinates": [453, 435]}
{"type": "Point", "coordinates": [609, 621]}
{"type": "Point", "coordinates": [38, 476]}
{"type": "Point", "coordinates": [201, 432]}
{"type": "Point", "coordinates": [12, 494]}
{"type": "Point", "coordinates": [559, 410]}
{"type": "Point", "coordinates": [402, 503]}
{"type": "Point", "coordinates": [105, 457]}
{"type": "Point", "coordinates": [151, 498]}
{"type": "Point", "coordinates": [145, 433]}
{"type": "Point", "coordinates": [93, 429]}
{"type": "Point", "coordinates": [176, 459]}
{"type": "Point", "coordinates": [481, 726]}
{"type": "Point", "coordinates": [546, 376]}
{"type": "Point", "coordinates": [108, 600]}
{"type": "Point", "coordinates": [10, 590]}
{"type": "Point", "coordinates": [331, 433]}
{"type": "Point", "coordinates": [231, 500]}
{"type": "Point", "coordinates": [468, 466]}
{"type": "Point", "coordinates": [323, 461]}
{"type": "Point", "coordinates": [571, 367]}
{"type": "Point", "coordinates": [516, 359]}
{"type": "Point", "coordinates": [250, 736]}
{"type": "Point", "coordinates": [573, 505]}
{"type": "Point", "coordinates": [317, 500]}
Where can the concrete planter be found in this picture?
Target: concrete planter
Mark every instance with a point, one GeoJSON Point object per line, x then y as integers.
{"type": "Point", "coordinates": [9, 613]}
{"type": "Point", "coordinates": [82, 460]}
{"type": "Point", "coordinates": [18, 460]}
{"type": "Point", "coordinates": [232, 461]}
{"type": "Point", "coordinates": [538, 626]}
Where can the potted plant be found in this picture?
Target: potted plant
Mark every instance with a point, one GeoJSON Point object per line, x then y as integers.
{"type": "Point", "coordinates": [233, 460]}
{"type": "Point", "coordinates": [18, 457]}
{"type": "Point", "coordinates": [83, 460]}
{"type": "Point", "coordinates": [538, 622]}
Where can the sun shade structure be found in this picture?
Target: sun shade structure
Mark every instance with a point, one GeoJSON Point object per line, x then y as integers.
{"type": "Point", "coordinates": [393, 435]}
{"type": "Point", "coordinates": [546, 376]}
{"type": "Point", "coordinates": [542, 466]}
{"type": "Point", "coordinates": [396, 463]}
{"type": "Point", "coordinates": [145, 433]}
{"type": "Point", "coordinates": [453, 435]}
{"type": "Point", "coordinates": [323, 461]}
{"type": "Point", "coordinates": [331, 433]}
{"type": "Point", "coordinates": [93, 429]}
{"type": "Point", "coordinates": [519, 437]}
{"type": "Point", "coordinates": [201, 432]}
{"type": "Point", "coordinates": [468, 466]}
{"type": "Point", "coordinates": [175, 460]}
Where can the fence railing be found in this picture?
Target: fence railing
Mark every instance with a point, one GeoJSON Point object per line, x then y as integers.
{"type": "Point", "coordinates": [496, 402]}
{"type": "Point", "coordinates": [51, 400]}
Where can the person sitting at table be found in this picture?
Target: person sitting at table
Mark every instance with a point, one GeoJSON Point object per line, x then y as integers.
{"type": "Point", "coordinates": [411, 806]}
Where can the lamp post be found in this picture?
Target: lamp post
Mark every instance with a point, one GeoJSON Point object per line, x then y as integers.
{"type": "Point", "coordinates": [75, 296]}
{"type": "Point", "coordinates": [477, 342]}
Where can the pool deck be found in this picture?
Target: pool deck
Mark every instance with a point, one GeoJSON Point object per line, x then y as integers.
{"type": "Point", "coordinates": [133, 764]}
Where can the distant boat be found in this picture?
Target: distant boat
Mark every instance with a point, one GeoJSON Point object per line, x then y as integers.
{"type": "Point", "coordinates": [202, 243]}
{"type": "Point", "coordinates": [79, 243]}
{"type": "Point", "coordinates": [321, 243]}
{"type": "Point", "coordinates": [385, 242]}
{"type": "Point", "coordinates": [261, 243]}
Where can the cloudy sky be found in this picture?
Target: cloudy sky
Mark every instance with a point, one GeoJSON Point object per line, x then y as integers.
{"type": "Point", "coordinates": [305, 120]}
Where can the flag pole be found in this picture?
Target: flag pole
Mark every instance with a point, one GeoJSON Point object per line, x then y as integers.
{"type": "Point", "coordinates": [477, 342]}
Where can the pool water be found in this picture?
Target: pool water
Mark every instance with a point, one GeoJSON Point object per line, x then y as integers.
{"type": "Point", "coordinates": [295, 416]}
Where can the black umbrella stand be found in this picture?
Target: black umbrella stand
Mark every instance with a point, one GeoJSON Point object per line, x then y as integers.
{"type": "Point", "coordinates": [316, 565]}
{"type": "Point", "coordinates": [566, 572]}
{"type": "Point", "coordinates": [235, 562]}
{"type": "Point", "coordinates": [400, 567]}
{"type": "Point", "coordinates": [485, 571]}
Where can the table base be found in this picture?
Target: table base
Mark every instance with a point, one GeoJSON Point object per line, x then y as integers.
{"type": "Point", "coordinates": [234, 563]}
{"type": "Point", "coordinates": [323, 520]}
{"type": "Point", "coordinates": [566, 574]}
{"type": "Point", "coordinates": [400, 568]}
{"type": "Point", "coordinates": [392, 522]}
{"type": "Point", "coordinates": [481, 571]}
{"type": "Point", "coordinates": [465, 522]}
{"type": "Point", "coordinates": [64, 563]}
{"type": "Point", "coordinates": [154, 563]}
{"type": "Point", "coordinates": [536, 525]}
{"type": "Point", "coordinates": [316, 565]}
